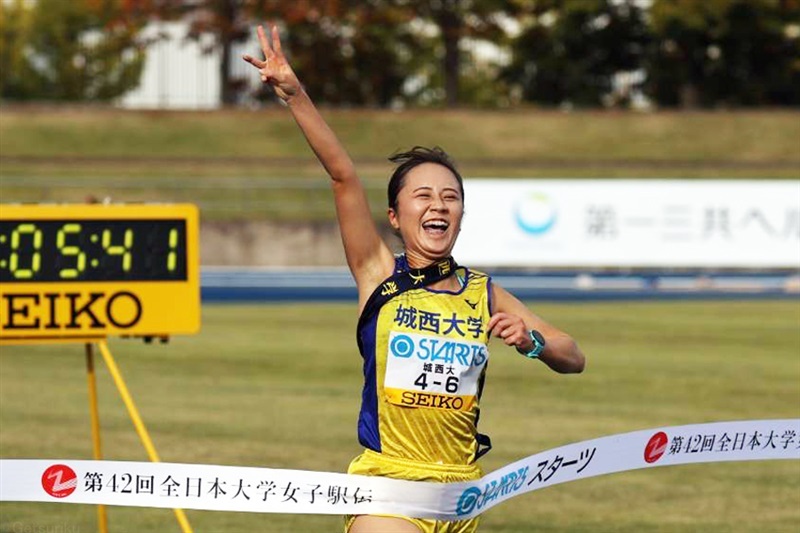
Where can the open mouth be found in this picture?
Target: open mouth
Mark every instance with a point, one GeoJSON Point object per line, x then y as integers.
{"type": "Point", "coordinates": [435, 227]}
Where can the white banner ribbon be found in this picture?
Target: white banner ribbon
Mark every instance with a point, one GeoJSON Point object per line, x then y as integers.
{"type": "Point", "coordinates": [268, 490]}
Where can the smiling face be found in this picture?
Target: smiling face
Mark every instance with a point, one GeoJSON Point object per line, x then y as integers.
{"type": "Point", "coordinates": [428, 213]}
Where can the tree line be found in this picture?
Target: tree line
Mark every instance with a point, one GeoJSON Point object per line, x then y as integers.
{"type": "Point", "coordinates": [381, 53]}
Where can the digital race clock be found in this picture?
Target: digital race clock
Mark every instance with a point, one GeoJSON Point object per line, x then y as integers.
{"type": "Point", "coordinates": [87, 271]}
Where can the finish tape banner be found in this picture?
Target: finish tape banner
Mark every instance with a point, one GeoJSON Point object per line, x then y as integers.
{"type": "Point", "coordinates": [268, 490]}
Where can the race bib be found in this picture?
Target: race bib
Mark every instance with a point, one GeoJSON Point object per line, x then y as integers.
{"type": "Point", "coordinates": [433, 372]}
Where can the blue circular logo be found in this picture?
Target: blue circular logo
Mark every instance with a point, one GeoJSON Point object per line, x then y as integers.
{"type": "Point", "coordinates": [535, 214]}
{"type": "Point", "coordinates": [468, 500]}
{"type": "Point", "coordinates": [402, 346]}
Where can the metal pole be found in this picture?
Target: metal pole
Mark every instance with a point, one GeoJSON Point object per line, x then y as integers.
{"type": "Point", "coordinates": [144, 436]}
{"type": "Point", "coordinates": [97, 453]}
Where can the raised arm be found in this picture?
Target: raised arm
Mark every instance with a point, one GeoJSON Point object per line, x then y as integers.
{"type": "Point", "coordinates": [368, 257]}
{"type": "Point", "coordinates": [511, 320]}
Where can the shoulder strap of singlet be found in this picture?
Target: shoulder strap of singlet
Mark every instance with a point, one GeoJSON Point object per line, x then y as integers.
{"type": "Point", "coordinates": [398, 283]}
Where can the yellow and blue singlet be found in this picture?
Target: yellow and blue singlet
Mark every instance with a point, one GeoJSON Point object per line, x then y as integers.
{"type": "Point", "coordinates": [425, 355]}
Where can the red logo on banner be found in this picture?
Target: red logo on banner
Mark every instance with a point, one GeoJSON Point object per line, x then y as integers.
{"type": "Point", "coordinates": [59, 481]}
{"type": "Point", "coordinates": [656, 447]}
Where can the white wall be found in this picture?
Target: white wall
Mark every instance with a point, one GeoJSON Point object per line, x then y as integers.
{"type": "Point", "coordinates": [178, 74]}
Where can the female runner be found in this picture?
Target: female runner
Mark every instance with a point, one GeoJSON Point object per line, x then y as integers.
{"type": "Point", "coordinates": [423, 343]}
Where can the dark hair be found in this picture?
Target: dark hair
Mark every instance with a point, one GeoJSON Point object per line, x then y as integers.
{"type": "Point", "coordinates": [416, 156]}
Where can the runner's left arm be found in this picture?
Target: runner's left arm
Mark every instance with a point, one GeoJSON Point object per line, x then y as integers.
{"type": "Point", "coordinates": [512, 320]}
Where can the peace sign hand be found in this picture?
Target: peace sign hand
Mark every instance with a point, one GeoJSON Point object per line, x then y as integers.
{"type": "Point", "coordinates": [275, 70]}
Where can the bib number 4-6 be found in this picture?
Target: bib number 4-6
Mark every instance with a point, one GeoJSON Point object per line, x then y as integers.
{"type": "Point", "coordinates": [450, 384]}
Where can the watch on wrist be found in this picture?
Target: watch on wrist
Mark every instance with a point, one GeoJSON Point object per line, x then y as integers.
{"type": "Point", "coordinates": [538, 345]}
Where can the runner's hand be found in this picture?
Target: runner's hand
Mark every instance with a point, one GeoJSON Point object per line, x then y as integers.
{"type": "Point", "coordinates": [511, 329]}
{"type": "Point", "coordinates": [275, 70]}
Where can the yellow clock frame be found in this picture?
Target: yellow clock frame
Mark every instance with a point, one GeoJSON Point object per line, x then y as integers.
{"type": "Point", "coordinates": [85, 310]}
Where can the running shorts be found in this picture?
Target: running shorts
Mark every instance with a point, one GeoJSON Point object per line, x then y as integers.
{"type": "Point", "coordinates": [372, 463]}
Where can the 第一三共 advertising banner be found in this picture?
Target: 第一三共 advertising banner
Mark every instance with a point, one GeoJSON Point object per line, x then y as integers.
{"type": "Point", "coordinates": [631, 223]}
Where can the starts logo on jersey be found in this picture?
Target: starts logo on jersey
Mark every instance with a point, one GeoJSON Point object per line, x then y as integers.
{"type": "Point", "coordinates": [656, 447]}
{"type": "Point", "coordinates": [437, 349]}
{"type": "Point", "coordinates": [59, 481]}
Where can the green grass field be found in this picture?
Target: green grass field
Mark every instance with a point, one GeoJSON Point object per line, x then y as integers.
{"type": "Point", "coordinates": [252, 164]}
{"type": "Point", "coordinates": [279, 386]}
